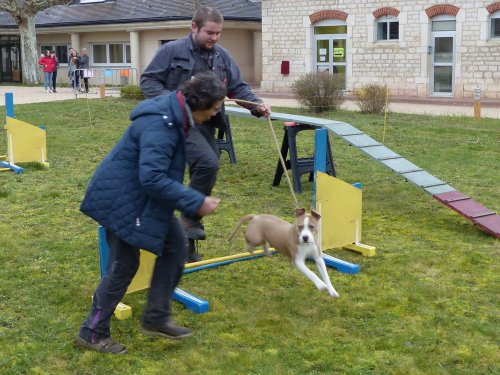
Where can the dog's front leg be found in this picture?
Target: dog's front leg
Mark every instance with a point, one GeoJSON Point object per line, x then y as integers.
{"type": "Point", "coordinates": [266, 249]}
{"type": "Point", "coordinates": [320, 263]}
{"type": "Point", "coordinates": [301, 266]}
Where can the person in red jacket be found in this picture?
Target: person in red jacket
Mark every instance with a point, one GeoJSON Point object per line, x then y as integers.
{"type": "Point", "coordinates": [48, 63]}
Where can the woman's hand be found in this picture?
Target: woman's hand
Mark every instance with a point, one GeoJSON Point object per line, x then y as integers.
{"type": "Point", "coordinates": [208, 206]}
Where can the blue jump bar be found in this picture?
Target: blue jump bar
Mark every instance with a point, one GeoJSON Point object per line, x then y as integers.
{"type": "Point", "coordinates": [341, 265]}
{"type": "Point", "coordinates": [191, 302]}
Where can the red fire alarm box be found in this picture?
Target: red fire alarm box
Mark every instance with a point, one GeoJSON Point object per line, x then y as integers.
{"type": "Point", "coordinates": [285, 67]}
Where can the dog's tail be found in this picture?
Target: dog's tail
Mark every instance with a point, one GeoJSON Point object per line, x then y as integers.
{"type": "Point", "coordinates": [243, 220]}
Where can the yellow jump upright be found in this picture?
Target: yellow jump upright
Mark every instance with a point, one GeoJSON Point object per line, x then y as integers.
{"type": "Point", "coordinates": [25, 142]}
{"type": "Point", "coordinates": [340, 207]}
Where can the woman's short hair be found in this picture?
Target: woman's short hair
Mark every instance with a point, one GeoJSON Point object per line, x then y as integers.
{"type": "Point", "coordinates": [203, 90]}
{"type": "Point", "coordinates": [207, 14]}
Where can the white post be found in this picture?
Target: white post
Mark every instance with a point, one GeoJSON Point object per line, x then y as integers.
{"type": "Point", "coordinates": [134, 57]}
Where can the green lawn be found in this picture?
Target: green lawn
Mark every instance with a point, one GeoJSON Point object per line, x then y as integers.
{"type": "Point", "coordinates": [426, 304]}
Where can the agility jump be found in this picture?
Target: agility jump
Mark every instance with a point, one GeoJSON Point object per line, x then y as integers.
{"type": "Point", "coordinates": [348, 224]}
{"type": "Point", "coordinates": [25, 142]}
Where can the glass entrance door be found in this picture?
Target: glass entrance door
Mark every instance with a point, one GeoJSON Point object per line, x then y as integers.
{"type": "Point", "coordinates": [331, 56]}
{"type": "Point", "coordinates": [10, 59]}
{"type": "Point", "coordinates": [443, 57]}
{"type": "Point", "coordinates": [330, 38]}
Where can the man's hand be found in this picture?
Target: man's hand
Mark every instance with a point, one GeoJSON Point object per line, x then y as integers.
{"type": "Point", "coordinates": [208, 206]}
{"type": "Point", "coordinates": [264, 109]}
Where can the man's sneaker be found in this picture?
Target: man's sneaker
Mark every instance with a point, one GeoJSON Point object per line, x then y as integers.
{"type": "Point", "coordinates": [192, 252]}
{"type": "Point", "coordinates": [193, 257]}
{"type": "Point", "coordinates": [104, 346]}
{"type": "Point", "coordinates": [169, 330]}
{"type": "Point", "coordinates": [193, 228]}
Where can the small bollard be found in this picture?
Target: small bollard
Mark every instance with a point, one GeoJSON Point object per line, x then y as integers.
{"type": "Point", "coordinates": [477, 104]}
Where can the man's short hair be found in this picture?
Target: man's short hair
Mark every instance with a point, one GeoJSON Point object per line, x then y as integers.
{"type": "Point", "coordinates": [207, 14]}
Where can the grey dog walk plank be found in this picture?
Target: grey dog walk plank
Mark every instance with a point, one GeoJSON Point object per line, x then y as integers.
{"type": "Point", "coordinates": [365, 143]}
{"type": "Point", "coordinates": [401, 165]}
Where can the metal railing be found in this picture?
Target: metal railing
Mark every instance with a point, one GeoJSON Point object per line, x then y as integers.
{"type": "Point", "coordinates": [102, 80]}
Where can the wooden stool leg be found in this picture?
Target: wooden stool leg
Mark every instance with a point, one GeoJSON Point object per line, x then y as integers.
{"type": "Point", "coordinates": [294, 162]}
{"type": "Point", "coordinates": [224, 141]}
{"type": "Point", "coordinates": [330, 166]}
{"type": "Point", "coordinates": [279, 169]}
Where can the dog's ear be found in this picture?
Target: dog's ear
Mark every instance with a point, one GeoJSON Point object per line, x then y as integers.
{"type": "Point", "coordinates": [300, 212]}
{"type": "Point", "coordinates": [315, 214]}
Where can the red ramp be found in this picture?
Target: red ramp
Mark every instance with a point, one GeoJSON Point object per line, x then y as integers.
{"type": "Point", "coordinates": [488, 220]}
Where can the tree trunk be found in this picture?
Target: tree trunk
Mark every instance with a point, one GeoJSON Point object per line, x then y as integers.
{"type": "Point", "coordinates": [31, 71]}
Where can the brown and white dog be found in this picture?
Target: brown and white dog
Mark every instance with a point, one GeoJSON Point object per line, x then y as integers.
{"type": "Point", "coordinates": [296, 241]}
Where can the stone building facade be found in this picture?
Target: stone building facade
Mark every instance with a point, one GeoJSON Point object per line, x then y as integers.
{"type": "Point", "coordinates": [418, 48]}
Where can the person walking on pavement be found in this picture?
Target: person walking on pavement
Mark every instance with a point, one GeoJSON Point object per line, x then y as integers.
{"type": "Point", "coordinates": [83, 68]}
{"type": "Point", "coordinates": [73, 74]}
{"type": "Point", "coordinates": [48, 63]}
{"type": "Point", "coordinates": [133, 194]}
{"type": "Point", "coordinates": [174, 63]}
{"type": "Point", "coordinates": [54, 72]}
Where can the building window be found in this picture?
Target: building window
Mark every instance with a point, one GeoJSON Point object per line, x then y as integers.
{"type": "Point", "coordinates": [387, 28]}
{"type": "Point", "coordinates": [444, 25]}
{"type": "Point", "coordinates": [495, 25]}
{"type": "Point", "coordinates": [61, 51]}
{"type": "Point", "coordinates": [111, 54]}
{"type": "Point", "coordinates": [330, 29]}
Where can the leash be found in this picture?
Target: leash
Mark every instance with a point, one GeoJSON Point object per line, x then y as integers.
{"type": "Point", "coordinates": [282, 161]}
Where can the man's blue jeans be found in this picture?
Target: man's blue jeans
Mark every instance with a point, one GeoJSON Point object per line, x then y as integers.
{"type": "Point", "coordinates": [122, 266]}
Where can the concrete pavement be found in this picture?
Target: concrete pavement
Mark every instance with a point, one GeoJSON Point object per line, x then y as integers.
{"type": "Point", "coordinates": [24, 94]}
{"type": "Point", "coordinates": [427, 106]}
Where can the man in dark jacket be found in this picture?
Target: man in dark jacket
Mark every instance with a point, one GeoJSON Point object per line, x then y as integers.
{"type": "Point", "coordinates": [176, 62]}
{"type": "Point", "coordinates": [133, 194]}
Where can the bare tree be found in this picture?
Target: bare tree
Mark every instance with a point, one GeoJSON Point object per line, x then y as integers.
{"type": "Point", "coordinates": [23, 12]}
{"type": "Point", "coordinates": [195, 4]}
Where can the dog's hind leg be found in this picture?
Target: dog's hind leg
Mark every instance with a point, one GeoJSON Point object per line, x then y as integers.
{"type": "Point", "coordinates": [320, 263]}
{"type": "Point", "coordinates": [250, 248]}
{"type": "Point", "coordinates": [301, 266]}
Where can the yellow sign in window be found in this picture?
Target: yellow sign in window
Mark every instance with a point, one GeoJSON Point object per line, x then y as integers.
{"type": "Point", "coordinates": [338, 52]}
